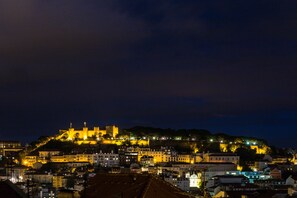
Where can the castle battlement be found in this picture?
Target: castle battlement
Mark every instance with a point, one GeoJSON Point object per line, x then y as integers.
{"type": "Point", "coordinates": [89, 133]}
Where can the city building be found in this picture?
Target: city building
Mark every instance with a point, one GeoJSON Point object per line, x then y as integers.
{"type": "Point", "coordinates": [127, 158]}
{"type": "Point", "coordinates": [74, 158]}
{"type": "Point", "coordinates": [292, 181]}
{"type": "Point", "coordinates": [251, 175]}
{"type": "Point", "coordinates": [217, 183]}
{"type": "Point", "coordinates": [16, 173]}
{"type": "Point", "coordinates": [163, 154]}
{"type": "Point", "coordinates": [276, 173]}
{"type": "Point", "coordinates": [172, 179]}
{"type": "Point", "coordinates": [29, 160]}
{"type": "Point", "coordinates": [48, 153]}
{"type": "Point", "coordinates": [183, 184]}
{"type": "Point", "coordinates": [8, 148]}
{"type": "Point", "coordinates": [48, 193]}
{"type": "Point", "coordinates": [147, 160]}
{"type": "Point", "coordinates": [194, 180]}
{"type": "Point", "coordinates": [221, 157]}
{"type": "Point", "coordinates": [59, 181]}
{"type": "Point", "coordinates": [185, 158]}
{"type": "Point", "coordinates": [108, 159]}
{"type": "Point", "coordinates": [42, 178]}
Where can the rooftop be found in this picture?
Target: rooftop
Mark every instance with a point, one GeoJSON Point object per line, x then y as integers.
{"type": "Point", "coordinates": [129, 185]}
{"type": "Point", "coordinates": [9, 190]}
{"type": "Point", "coordinates": [223, 154]}
{"type": "Point", "coordinates": [216, 163]}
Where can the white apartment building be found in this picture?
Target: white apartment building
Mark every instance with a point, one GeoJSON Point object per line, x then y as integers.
{"type": "Point", "coordinates": [106, 159]}
{"type": "Point", "coordinates": [183, 184]}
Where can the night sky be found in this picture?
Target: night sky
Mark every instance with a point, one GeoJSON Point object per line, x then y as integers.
{"type": "Point", "coordinates": [225, 66]}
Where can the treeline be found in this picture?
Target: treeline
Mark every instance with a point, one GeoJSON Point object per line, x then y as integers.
{"type": "Point", "coordinates": [199, 134]}
{"type": "Point", "coordinates": [151, 131]}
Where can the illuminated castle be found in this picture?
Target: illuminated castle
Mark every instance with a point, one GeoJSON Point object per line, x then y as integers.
{"type": "Point", "coordinates": [87, 134]}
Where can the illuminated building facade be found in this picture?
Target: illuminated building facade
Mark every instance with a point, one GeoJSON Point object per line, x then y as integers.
{"type": "Point", "coordinates": [48, 154]}
{"type": "Point", "coordinates": [58, 181]}
{"type": "Point", "coordinates": [29, 160]}
{"type": "Point", "coordinates": [163, 154]}
{"type": "Point", "coordinates": [7, 147]}
{"type": "Point", "coordinates": [221, 158]}
{"type": "Point", "coordinates": [74, 158]}
{"type": "Point", "coordinates": [185, 158]}
{"type": "Point", "coordinates": [159, 155]}
{"type": "Point", "coordinates": [147, 161]}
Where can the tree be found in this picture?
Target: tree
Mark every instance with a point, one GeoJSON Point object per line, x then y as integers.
{"type": "Point", "coordinates": [246, 155]}
{"type": "Point", "coordinates": [213, 147]}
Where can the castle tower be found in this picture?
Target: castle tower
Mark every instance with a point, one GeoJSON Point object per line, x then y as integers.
{"type": "Point", "coordinates": [112, 130]}
{"type": "Point", "coordinates": [70, 132]}
{"type": "Point", "coordinates": [85, 131]}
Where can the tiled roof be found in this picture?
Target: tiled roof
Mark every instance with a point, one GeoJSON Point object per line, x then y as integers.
{"type": "Point", "coordinates": [223, 154]}
{"type": "Point", "coordinates": [9, 190]}
{"type": "Point", "coordinates": [131, 185]}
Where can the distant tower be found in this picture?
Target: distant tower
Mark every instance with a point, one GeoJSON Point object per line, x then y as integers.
{"type": "Point", "coordinates": [85, 131]}
{"type": "Point", "coordinates": [70, 125]}
{"type": "Point", "coordinates": [112, 130]}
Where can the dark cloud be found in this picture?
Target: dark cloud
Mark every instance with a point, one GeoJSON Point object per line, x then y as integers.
{"type": "Point", "coordinates": [225, 66]}
{"type": "Point", "coordinates": [51, 39]}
